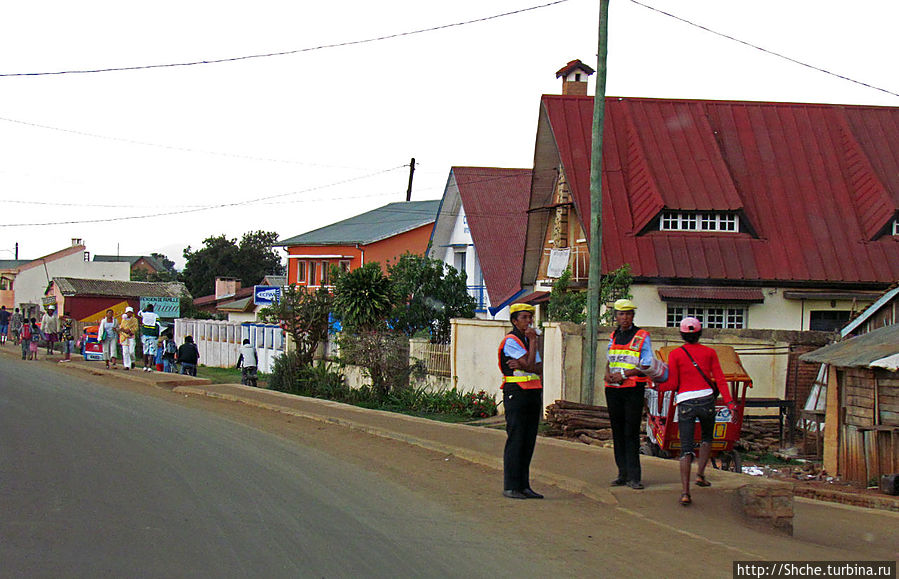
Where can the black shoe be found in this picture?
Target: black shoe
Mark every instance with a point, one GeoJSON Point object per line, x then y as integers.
{"type": "Point", "coordinates": [514, 495]}
{"type": "Point", "coordinates": [618, 482]}
{"type": "Point", "coordinates": [635, 484]}
{"type": "Point", "coordinates": [531, 494]}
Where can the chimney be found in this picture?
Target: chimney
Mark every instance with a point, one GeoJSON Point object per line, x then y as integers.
{"type": "Point", "coordinates": [77, 241]}
{"type": "Point", "coordinates": [574, 78]}
{"type": "Point", "coordinates": [226, 286]}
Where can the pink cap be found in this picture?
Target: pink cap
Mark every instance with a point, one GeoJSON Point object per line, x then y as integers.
{"type": "Point", "coordinates": [690, 325]}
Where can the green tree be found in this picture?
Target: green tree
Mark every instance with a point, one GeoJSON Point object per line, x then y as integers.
{"type": "Point", "coordinates": [303, 313]}
{"type": "Point", "coordinates": [363, 298]}
{"type": "Point", "coordinates": [429, 294]}
{"type": "Point", "coordinates": [566, 305]}
{"type": "Point", "coordinates": [249, 261]}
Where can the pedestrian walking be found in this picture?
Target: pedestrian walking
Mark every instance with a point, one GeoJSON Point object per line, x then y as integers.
{"type": "Point", "coordinates": [248, 363]}
{"type": "Point", "coordinates": [4, 324]}
{"type": "Point", "coordinates": [128, 329]}
{"type": "Point", "coordinates": [521, 365]}
{"type": "Point", "coordinates": [625, 387]}
{"type": "Point", "coordinates": [25, 338]}
{"type": "Point", "coordinates": [149, 335]}
{"type": "Point", "coordinates": [696, 378]}
{"type": "Point", "coordinates": [189, 356]}
{"type": "Point", "coordinates": [15, 325]}
{"type": "Point", "coordinates": [169, 352]}
{"type": "Point", "coordinates": [67, 338]}
{"type": "Point", "coordinates": [107, 334]}
{"type": "Point", "coordinates": [50, 327]}
{"type": "Point", "coordinates": [34, 332]}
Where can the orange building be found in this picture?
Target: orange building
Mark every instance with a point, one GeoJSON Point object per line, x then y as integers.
{"type": "Point", "coordinates": [381, 235]}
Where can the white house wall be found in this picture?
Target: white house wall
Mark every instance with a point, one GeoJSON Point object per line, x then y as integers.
{"type": "Point", "coordinates": [30, 284]}
{"type": "Point", "coordinates": [460, 239]}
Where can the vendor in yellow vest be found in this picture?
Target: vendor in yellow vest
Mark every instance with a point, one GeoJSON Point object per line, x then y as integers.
{"type": "Point", "coordinates": [520, 363]}
{"type": "Point", "coordinates": [629, 347]}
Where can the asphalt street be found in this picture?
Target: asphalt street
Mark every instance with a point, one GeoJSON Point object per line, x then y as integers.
{"type": "Point", "coordinates": [98, 481]}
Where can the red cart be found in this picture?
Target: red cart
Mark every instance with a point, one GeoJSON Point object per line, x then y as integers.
{"type": "Point", "coordinates": [661, 424]}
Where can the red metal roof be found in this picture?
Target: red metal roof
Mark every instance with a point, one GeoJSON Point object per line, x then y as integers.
{"type": "Point", "coordinates": [495, 201]}
{"type": "Point", "coordinates": [814, 186]}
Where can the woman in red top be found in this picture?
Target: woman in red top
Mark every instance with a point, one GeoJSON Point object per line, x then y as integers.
{"type": "Point", "coordinates": [695, 376]}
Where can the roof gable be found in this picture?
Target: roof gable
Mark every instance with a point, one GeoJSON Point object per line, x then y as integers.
{"type": "Point", "coordinates": [375, 225]}
{"type": "Point", "coordinates": [495, 202]}
{"type": "Point", "coordinates": [73, 286]}
{"type": "Point", "coordinates": [794, 172]}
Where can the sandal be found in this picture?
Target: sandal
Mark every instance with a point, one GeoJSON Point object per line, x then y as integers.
{"type": "Point", "coordinates": [685, 499]}
{"type": "Point", "coordinates": [701, 482]}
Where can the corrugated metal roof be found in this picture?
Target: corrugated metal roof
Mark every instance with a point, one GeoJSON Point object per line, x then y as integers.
{"type": "Point", "coordinates": [858, 352]}
{"type": "Point", "coordinates": [73, 286]}
{"type": "Point", "coordinates": [813, 184]}
{"type": "Point", "coordinates": [495, 202]}
{"type": "Point", "coordinates": [372, 226]}
{"type": "Point", "coordinates": [714, 294]}
{"type": "Point", "coordinates": [13, 263]}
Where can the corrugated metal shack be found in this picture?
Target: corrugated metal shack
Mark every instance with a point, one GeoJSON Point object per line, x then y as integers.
{"type": "Point", "coordinates": [862, 420]}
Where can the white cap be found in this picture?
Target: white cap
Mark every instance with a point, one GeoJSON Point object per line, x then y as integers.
{"type": "Point", "coordinates": [129, 309]}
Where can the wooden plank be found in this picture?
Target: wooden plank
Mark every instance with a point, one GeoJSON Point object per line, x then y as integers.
{"type": "Point", "coordinates": [884, 453]}
{"type": "Point", "coordinates": [889, 417]}
{"type": "Point", "coordinates": [872, 464]}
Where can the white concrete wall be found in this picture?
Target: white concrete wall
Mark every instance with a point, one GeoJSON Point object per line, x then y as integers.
{"type": "Point", "coordinates": [776, 313]}
{"type": "Point", "coordinates": [30, 284]}
{"type": "Point", "coordinates": [219, 341]}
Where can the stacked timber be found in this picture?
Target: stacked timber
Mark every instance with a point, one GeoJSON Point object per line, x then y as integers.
{"type": "Point", "coordinates": [589, 424]}
{"type": "Point", "coordinates": [760, 435]}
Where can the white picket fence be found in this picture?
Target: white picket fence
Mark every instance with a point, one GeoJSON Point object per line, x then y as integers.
{"type": "Point", "coordinates": [219, 341]}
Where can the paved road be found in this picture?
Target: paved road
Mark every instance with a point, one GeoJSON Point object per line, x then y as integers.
{"type": "Point", "coordinates": [99, 481]}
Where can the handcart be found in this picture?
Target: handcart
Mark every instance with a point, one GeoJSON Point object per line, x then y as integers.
{"type": "Point", "coordinates": [91, 347]}
{"type": "Point", "coordinates": [661, 424]}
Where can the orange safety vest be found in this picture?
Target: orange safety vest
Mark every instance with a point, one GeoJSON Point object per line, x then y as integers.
{"type": "Point", "coordinates": [528, 381]}
{"type": "Point", "coordinates": [626, 357]}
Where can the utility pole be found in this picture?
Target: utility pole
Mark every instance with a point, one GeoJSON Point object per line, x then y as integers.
{"type": "Point", "coordinates": [588, 375]}
{"type": "Point", "coordinates": [411, 173]}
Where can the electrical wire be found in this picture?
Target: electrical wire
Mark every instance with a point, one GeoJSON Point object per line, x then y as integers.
{"type": "Point", "coordinates": [289, 52]}
{"type": "Point", "coordinates": [765, 50]}
{"type": "Point", "coordinates": [204, 208]}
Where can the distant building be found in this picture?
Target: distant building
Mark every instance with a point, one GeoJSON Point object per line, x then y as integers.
{"type": "Point", "coordinates": [32, 279]}
{"type": "Point", "coordinates": [86, 300]}
{"type": "Point", "coordinates": [138, 263]}
{"type": "Point", "coordinates": [381, 235]}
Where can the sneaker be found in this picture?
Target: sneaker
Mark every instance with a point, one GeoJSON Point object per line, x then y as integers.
{"type": "Point", "coordinates": [635, 484]}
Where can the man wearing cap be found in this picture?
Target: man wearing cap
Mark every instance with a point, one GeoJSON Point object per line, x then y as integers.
{"type": "Point", "coordinates": [520, 363]}
{"type": "Point", "coordinates": [127, 331]}
{"type": "Point", "coordinates": [50, 327]}
{"type": "Point", "coordinates": [625, 385]}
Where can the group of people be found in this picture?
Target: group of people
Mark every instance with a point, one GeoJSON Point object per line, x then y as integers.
{"type": "Point", "coordinates": [29, 333]}
{"type": "Point", "coordinates": [159, 349]}
{"type": "Point", "coordinates": [693, 374]}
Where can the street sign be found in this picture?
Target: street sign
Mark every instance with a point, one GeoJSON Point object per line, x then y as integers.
{"type": "Point", "coordinates": [164, 307]}
{"type": "Point", "coordinates": [265, 295]}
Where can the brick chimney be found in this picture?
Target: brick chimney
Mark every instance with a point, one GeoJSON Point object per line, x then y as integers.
{"type": "Point", "coordinates": [574, 78]}
{"type": "Point", "coordinates": [226, 286]}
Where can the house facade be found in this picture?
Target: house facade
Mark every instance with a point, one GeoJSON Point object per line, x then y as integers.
{"type": "Point", "coordinates": [86, 300]}
{"type": "Point", "coordinates": [747, 215]}
{"type": "Point", "coordinates": [32, 279]}
{"type": "Point", "coordinates": [480, 231]}
{"type": "Point", "coordinates": [381, 235]}
{"type": "Point", "coordinates": [139, 264]}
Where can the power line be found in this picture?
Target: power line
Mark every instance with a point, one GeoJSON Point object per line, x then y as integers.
{"type": "Point", "coordinates": [765, 50]}
{"type": "Point", "coordinates": [198, 209]}
{"type": "Point", "coordinates": [171, 147]}
{"type": "Point", "coordinates": [288, 52]}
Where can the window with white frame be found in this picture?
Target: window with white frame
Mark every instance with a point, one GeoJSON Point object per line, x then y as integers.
{"type": "Point", "coordinates": [326, 273]}
{"type": "Point", "coordinates": [711, 316]}
{"type": "Point", "coordinates": [312, 272]}
{"type": "Point", "coordinates": [686, 221]}
{"type": "Point", "coordinates": [301, 271]}
{"type": "Point", "coordinates": [344, 265]}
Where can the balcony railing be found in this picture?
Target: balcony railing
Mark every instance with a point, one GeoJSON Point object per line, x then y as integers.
{"type": "Point", "coordinates": [479, 293]}
{"type": "Point", "coordinates": [578, 261]}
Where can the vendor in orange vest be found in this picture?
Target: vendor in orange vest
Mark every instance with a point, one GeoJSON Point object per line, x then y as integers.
{"type": "Point", "coordinates": [520, 363]}
{"type": "Point", "coordinates": [629, 347]}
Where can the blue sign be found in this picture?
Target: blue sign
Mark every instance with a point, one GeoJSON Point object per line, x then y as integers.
{"type": "Point", "coordinates": [265, 295]}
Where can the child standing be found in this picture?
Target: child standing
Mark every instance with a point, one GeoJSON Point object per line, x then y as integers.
{"type": "Point", "coordinates": [68, 339]}
{"type": "Point", "coordinates": [160, 344]}
{"type": "Point", "coordinates": [169, 349]}
{"type": "Point", "coordinates": [35, 338]}
{"type": "Point", "coordinates": [25, 337]}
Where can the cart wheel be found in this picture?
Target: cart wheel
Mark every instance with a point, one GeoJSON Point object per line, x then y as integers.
{"type": "Point", "coordinates": [730, 461]}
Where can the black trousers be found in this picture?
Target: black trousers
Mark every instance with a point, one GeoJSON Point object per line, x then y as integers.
{"type": "Point", "coordinates": [523, 411]}
{"type": "Point", "coordinates": [625, 414]}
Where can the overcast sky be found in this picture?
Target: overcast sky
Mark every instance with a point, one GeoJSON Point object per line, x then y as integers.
{"type": "Point", "coordinates": [320, 135]}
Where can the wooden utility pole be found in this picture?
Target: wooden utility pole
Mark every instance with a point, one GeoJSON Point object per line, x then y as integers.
{"type": "Point", "coordinates": [588, 375]}
{"type": "Point", "coordinates": [411, 173]}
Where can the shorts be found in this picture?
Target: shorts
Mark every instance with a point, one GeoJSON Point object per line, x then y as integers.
{"type": "Point", "coordinates": [688, 412]}
{"type": "Point", "coordinates": [149, 343]}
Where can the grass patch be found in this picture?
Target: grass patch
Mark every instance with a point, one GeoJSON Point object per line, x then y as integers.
{"type": "Point", "coordinates": [227, 375]}
{"type": "Point", "coordinates": [767, 458]}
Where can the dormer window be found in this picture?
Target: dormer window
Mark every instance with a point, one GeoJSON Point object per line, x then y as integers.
{"type": "Point", "coordinates": [685, 221]}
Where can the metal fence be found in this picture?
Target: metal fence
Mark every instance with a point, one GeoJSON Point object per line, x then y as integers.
{"type": "Point", "coordinates": [436, 357]}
